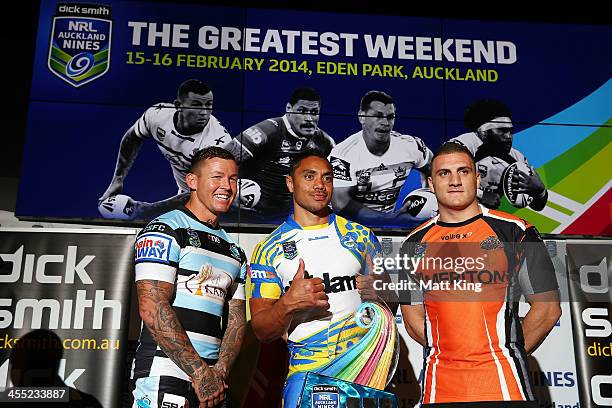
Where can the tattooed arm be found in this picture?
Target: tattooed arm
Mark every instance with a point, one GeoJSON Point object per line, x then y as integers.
{"type": "Point", "coordinates": [232, 339]}
{"type": "Point", "coordinates": [163, 324]}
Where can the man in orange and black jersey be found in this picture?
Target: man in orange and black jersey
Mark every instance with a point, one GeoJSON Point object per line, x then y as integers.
{"type": "Point", "coordinates": [475, 346]}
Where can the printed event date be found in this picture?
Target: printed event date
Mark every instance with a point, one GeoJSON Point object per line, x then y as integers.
{"type": "Point", "coordinates": [217, 62]}
{"type": "Point", "coordinates": [35, 394]}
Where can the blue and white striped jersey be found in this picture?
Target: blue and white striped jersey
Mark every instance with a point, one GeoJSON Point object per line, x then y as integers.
{"type": "Point", "coordinates": [203, 263]}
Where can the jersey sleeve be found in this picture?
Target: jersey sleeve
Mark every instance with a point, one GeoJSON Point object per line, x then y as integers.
{"type": "Point", "coordinates": [239, 293]}
{"type": "Point", "coordinates": [423, 154]}
{"type": "Point", "coordinates": [536, 270]}
{"type": "Point", "coordinates": [157, 252]}
{"type": "Point", "coordinates": [343, 170]}
{"type": "Point", "coordinates": [255, 139]}
{"type": "Point", "coordinates": [265, 281]}
{"type": "Point", "coordinates": [144, 125]}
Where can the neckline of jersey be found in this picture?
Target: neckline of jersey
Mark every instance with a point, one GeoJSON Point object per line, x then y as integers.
{"type": "Point", "coordinates": [459, 224]}
{"type": "Point", "coordinates": [193, 216]}
{"type": "Point", "coordinates": [293, 224]}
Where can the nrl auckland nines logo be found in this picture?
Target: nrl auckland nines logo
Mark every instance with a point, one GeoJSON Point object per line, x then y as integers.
{"type": "Point", "coordinates": [80, 44]}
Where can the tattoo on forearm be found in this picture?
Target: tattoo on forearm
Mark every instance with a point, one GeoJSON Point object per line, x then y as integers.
{"type": "Point", "coordinates": [232, 339]}
{"type": "Point", "coordinates": [164, 326]}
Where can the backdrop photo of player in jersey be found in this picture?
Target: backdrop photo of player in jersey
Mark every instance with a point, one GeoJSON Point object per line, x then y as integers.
{"type": "Point", "coordinates": [265, 151]}
{"type": "Point", "coordinates": [490, 141]}
{"type": "Point", "coordinates": [372, 165]}
{"type": "Point", "coordinates": [190, 277]}
{"type": "Point", "coordinates": [179, 129]}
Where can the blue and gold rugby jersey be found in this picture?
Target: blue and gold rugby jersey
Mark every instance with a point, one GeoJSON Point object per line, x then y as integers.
{"type": "Point", "coordinates": [334, 252]}
{"type": "Point", "coordinates": [203, 263]}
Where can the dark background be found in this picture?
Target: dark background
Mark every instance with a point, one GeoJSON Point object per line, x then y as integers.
{"type": "Point", "coordinates": [20, 25]}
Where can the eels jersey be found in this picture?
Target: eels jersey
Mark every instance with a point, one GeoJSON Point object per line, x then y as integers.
{"type": "Point", "coordinates": [334, 252]}
{"type": "Point", "coordinates": [203, 263]}
{"type": "Point", "coordinates": [490, 168]}
{"type": "Point", "coordinates": [158, 122]}
{"type": "Point", "coordinates": [376, 181]}
{"type": "Point", "coordinates": [268, 149]}
{"type": "Point", "coordinates": [475, 347]}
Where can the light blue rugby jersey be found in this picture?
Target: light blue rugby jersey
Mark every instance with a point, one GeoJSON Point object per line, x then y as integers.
{"type": "Point", "coordinates": [203, 263]}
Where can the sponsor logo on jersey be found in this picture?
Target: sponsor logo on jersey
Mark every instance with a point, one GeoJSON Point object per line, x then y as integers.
{"type": "Point", "coordinates": [491, 243]}
{"type": "Point", "coordinates": [336, 284]}
{"type": "Point", "coordinates": [414, 205]}
{"type": "Point", "coordinates": [259, 274]}
{"type": "Point", "coordinates": [80, 44]}
{"type": "Point", "coordinates": [194, 238]}
{"type": "Point", "coordinates": [298, 144]}
{"type": "Point", "coordinates": [219, 141]}
{"type": "Point", "coordinates": [161, 134]}
{"type": "Point", "coordinates": [325, 396]}
{"type": "Point", "coordinates": [153, 247]}
{"type": "Point", "coordinates": [387, 196]}
{"type": "Point", "coordinates": [341, 169]}
{"type": "Point", "coordinates": [173, 401]}
{"type": "Point", "coordinates": [214, 238]}
{"type": "Point", "coordinates": [284, 160]}
{"type": "Point", "coordinates": [285, 145]}
{"type": "Point", "coordinates": [381, 167]}
{"type": "Point", "coordinates": [457, 236]}
{"type": "Point", "coordinates": [289, 249]}
{"type": "Point", "coordinates": [254, 135]}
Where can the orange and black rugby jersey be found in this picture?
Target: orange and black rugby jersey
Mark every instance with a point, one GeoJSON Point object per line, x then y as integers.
{"type": "Point", "coordinates": [475, 348]}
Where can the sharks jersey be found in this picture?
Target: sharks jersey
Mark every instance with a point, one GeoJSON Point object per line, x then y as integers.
{"type": "Point", "coordinates": [490, 168]}
{"type": "Point", "coordinates": [334, 252]}
{"type": "Point", "coordinates": [158, 122]}
{"type": "Point", "coordinates": [203, 263]}
{"type": "Point", "coordinates": [376, 181]}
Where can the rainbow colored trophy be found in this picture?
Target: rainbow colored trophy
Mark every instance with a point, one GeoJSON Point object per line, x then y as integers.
{"type": "Point", "coordinates": [357, 378]}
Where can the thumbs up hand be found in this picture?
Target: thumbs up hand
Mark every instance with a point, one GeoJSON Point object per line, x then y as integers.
{"type": "Point", "coordinates": [306, 294]}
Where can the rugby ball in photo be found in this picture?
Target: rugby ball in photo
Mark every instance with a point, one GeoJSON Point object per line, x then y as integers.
{"type": "Point", "coordinates": [421, 204]}
{"type": "Point", "coordinates": [249, 193]}
{"type": "Point", "coordinates": [120, 207]}
{"type": "Point", "coordinates": [518, 200]}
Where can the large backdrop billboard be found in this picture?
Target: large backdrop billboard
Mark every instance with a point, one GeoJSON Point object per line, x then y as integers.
{"type": "Point", "coordinates": [122, 98]}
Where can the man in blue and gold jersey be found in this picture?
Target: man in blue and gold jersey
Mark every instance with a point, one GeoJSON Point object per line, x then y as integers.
{"type": "Point", "coordinates": [307, 276]}
{"type": "Point", "coordinates": [188, 270]}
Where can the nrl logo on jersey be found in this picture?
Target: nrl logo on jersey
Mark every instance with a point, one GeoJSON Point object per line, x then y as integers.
{"type": "Point", "coordinates": [80, 45]}
{"type": "Point", "coordinates": [289, 249]}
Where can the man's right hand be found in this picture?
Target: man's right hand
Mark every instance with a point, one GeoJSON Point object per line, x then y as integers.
{"type": "Point", "coordinates": [210, 387]}
{"type": "Point", "coordinates": [115, 187]}
{"type": "Point", "coordinates": [306, 294]}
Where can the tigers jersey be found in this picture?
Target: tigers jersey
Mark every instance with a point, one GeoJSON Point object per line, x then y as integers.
{"type": "Point", "coordinates": [376, 181]}
{"type": "Point", "coordinates": [158, 122]}
{"type": "Point", "coordinates": [490, 168]}
{"type": "Point", "coordinates": [203, 263]}
{"type": "Point", "coordinates": [334, 252]}
{"type": "Point", "coordinates": [475, 347]}
{"type": "Point", "coordinates": [268, 148]}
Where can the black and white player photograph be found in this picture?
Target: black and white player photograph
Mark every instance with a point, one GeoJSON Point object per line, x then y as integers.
{"type": "Point", "coordinates": [265, 151]}
{"type": "Point", "coordinates": [179, 129]}
{"type": "Point", "coordinates": [504, 171]}
{"type": "Point", "coordinates": [372, 165]}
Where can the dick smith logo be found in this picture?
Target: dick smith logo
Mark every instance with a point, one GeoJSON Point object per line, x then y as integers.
{"type": "Point", "coordinates": [65, 313]}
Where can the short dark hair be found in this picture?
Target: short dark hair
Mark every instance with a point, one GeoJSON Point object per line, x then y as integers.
{"type": "Point", "coordinates": [374, 95]}
{"type": "Point", "coordinates": [192, 85]}
{"type": "Point", "coordinates": [210, 152]}
{"type": "Point", "coordinates": [453, 147]}
{"type": "Point", "coordinates": [482, 111]}
{"type": "Point", "coordinates": [305, 94]}
{"type": "Point", "coordinates": [295, 163]}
